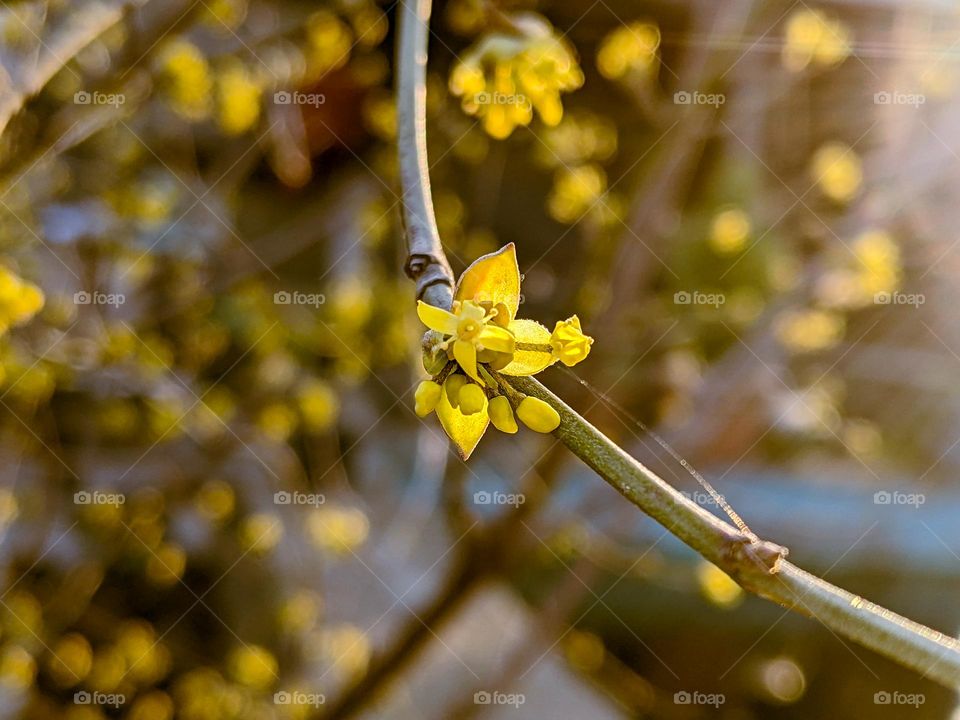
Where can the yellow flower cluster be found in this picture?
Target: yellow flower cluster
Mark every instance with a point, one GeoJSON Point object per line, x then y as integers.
{"type": "Point", "coordinates": [630, 49]}
{"type": "Point", "coordinates": [469, 347]}
{"type": "Point", "coordinates": [869, 267]}
{"type": "Point", "coordinates": [812, 37]}
{"type": "Point", "coordinates": [19, 300]}
{"type": "Point", "coordinates": [503, 78]}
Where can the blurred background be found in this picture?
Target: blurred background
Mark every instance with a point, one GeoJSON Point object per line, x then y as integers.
{"type": "Point", "coordinates": [216, 499]}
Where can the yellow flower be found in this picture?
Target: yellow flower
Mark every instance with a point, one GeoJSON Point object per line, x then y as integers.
{"type": "Point", "coordinates": [480, 338]}
{"type": "Point", "coordinates": [569, 343]}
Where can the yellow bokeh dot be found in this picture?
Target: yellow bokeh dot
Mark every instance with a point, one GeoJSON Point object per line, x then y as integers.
{"type": "Point", "coordinates": [338, 528]}
{"type": "Point", "coordinates": [345, 649]}
{"type": "Point", "coordinates": [166, 565]}
{"type": "Point", "coordinates": [253, 666]}
{"type": "Point", "coordinates": [155, 705]}
{"type": "Point", "coordinates": [17, 667]}
{"type": "Point", "coordinates": [277, 421]}
{"type": "Point", "coordinates": [718, 587]}
{"type": "Point", "coordinates": [575, 191]}
{"type": "Point", "coordinates": [216, 500]}
{"type": "Point", "coordinates": [810, 330]}
{"type": "Point", "coordinates": [319, 405]}
{"type": "Point", "coordinates": [837, 170]}
{"type": "Point", "coordinates": [299, 612]}
{"type": "Point", "coordinates": [261, 532]}
{"type": "Point", "coordinates": [729, 231]}
{"type": "Point", "coordinates": [629, 49]}
{"type": "Point", "coordinates": [188, 79]}
{"type": "Point", "coordinates": [70, 660]}
{"type": "Point", "coordinates": [585, 651]}
{"type": "Point", "coordinates": [239, 94]}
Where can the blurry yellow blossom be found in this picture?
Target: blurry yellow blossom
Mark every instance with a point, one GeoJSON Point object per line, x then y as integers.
{"type": "Point", "coordinates": [575, 191]}
{"type": "Point", "coordinates": [718, 587]}
{"type": "Point", "coordinates": [215, 500]}
{"type": "Point", "coordinates": [224, 14]}
{"type": "Point", "coordinates": [188, 79]}
{"type": "Point", "coordinates": [369, 24]}
{"type": "Point", "coordinates": [809, 330]}
{"type": "Point", "coordinates": [318, 404]}
{"type": "Point", "coordinates": [585, 651]}
{"type": "Point", "coordinates": [380, 115]}
{"type": "Point", "coordinates": [70, 660]}
{"type": "Point", "coordinates": [299, 612]}
{"type": "Point", "coordinates": [330, 41]}
{"type": "Point", "coordinates": [580, 137]}
{"type": "Point", "coordinates": [836, 169]}
{"type": "Point", "coordinates": [346, 649]}
{"type": "Point", "coordinates": [22, 615]}
{"type": "Point", "coordinates": [338, 528]}
{"type": "Point", "coordinates": [628, 49]}
{"type": "Point", "coordinates": [278, 421]}
{"type": "Point", "coordinates": [154, 705]}
{"type": "Point", "coordinates": [107, 671]}
{"type": "Point", "coordinates": [869, 267]}
{"type": "Point", "coordinates": [253, 666]}
{"type": "Point", "coordinates": [17, 667]}
{"type": "Point", "coordinates": [261, 532]}
{"type": "Point", "coordinates": [729, 231]}
{"type": "Point", "coordinates": [464, 17]}
{"type": "Point", "coordinates": [813, 37]}
{"type": "Point", "coordinates": [19, 299]}
{"type": "Point", "coordinates": [166, 565]}
{"type": "Point", "coordinates": [147, 659]}
{"type": "Point", "coordinates": [503, 78]}
{"type": "Point", "coordinates": [239, 94]}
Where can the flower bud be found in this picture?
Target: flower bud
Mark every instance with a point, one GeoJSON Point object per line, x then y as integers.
{"type": "Point", "coordinates": [472, 399]}
{"type": "Point", "coordinates": [569, 343]}
{"type": "Point", "coordinates": [427, 396]}
{"type": "Point", "coordinates": [452, 387]}
{"type": "Point", "coordinates": [537, 415]}
{"type": "Point", "coordinates": [501, 415]}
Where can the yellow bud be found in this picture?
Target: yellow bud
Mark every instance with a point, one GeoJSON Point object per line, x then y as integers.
{"type": "Point", "coordinates": [501, 415]}
{"type": "Point", "coordinates": [537, 415]}
{"type": "Point", "coordinates": [569, 343]}
{"type": "Point", "coordinates": [471, 399]}
{"type": "Point", "coordinates": [452, 387]}
{"type": "Point", "coordinates": [427, 397]}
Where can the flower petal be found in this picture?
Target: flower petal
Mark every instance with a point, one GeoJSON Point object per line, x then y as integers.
{"type": "Point", "coordinates": [494, 277]}
{"type": "Point", "coordinates": [497, 338]}
{"type": "Point", "coordinates": [464, 431]}
{"type": "Point", "coordinates": [529, 362]}
{"type": "Point", "coordinates": [466, 356]}
{"type": "Point", "coordinates": [435, 318]}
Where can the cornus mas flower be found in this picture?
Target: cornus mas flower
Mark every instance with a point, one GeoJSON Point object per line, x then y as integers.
{"type": "Point", "coordinates": [471, 346]}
